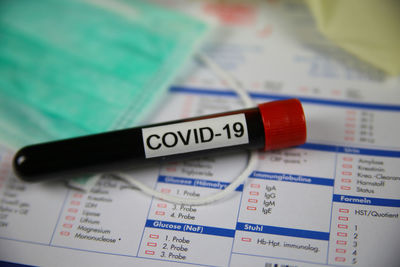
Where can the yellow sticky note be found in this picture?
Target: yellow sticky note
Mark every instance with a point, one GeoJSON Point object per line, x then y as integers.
{"type": "Point", "coordinates": [370, 29]}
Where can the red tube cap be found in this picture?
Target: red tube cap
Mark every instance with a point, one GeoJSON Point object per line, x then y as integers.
{"type": "Point", "coordinates": [284, 123]}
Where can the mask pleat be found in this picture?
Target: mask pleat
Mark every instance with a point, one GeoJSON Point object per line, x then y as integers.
{"type": "Point", "coordinates": [73, 68]}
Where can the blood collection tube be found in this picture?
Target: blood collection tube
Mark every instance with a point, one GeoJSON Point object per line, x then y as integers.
{"type": "Point", "coordinates": [271, 125]}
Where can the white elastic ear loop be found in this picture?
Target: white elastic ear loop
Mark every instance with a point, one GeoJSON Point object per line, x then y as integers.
{"type": "Point", "coordinates": [251, 164]}
{"type": "Point", "coordinates": [195, 201]}
{"type": "Point", "coordinates": [223, 75]}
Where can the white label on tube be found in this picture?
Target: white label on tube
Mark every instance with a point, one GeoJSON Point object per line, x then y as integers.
{"type": "Point", "coordinates": [195, 135]}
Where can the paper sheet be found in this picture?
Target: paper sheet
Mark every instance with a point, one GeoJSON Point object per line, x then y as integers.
{"type": "Point", "coordinates": [333, 201]}
{"type": "Point", "coordinates": [373, 40]}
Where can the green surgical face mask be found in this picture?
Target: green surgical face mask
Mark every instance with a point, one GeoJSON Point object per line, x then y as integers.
{"type": "Point", "coordinates": [70, 68]}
